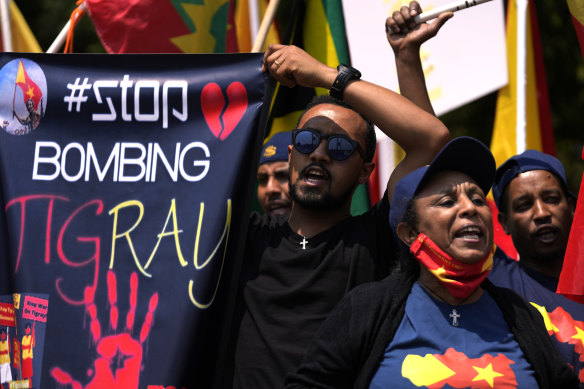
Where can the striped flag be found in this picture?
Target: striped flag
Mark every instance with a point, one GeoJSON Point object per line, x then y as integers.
{"type": "Point", "coordinates": [318, 27]}
{"type": "Point", "coordinates": [522, 119]}
{"type": "Point", "coordinates": [23, 39]}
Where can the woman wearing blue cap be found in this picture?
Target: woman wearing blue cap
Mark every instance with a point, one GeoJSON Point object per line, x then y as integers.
{"type": "Point", "coordinates": [438, 322]}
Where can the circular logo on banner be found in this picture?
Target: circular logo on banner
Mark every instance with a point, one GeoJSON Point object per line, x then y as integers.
{"type": "Point", "coordinates": [23, 104]}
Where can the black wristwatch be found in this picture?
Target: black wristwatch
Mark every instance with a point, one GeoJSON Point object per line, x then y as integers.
{"type": "Point", "coordinates": [346, 74]}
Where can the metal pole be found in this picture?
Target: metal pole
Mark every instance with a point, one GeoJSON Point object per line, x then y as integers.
{"type": "Point", "coordinates": [60, 40]}
{"type": "Point", "coordinates": [6, 32]}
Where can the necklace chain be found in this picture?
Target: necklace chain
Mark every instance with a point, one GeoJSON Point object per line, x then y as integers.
{"type": "Point", "coordinates": [454, 314]}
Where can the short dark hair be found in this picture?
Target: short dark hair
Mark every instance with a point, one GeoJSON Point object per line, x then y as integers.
{"type": "Point", "coordinates": [370, 138]}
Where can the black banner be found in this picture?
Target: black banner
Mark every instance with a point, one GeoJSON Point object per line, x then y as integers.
{"type": "Point", "coordinates": [125, 187]}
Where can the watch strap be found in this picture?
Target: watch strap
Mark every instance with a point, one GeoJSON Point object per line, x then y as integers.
{"type": "Point", "coordinates": [346, 74]}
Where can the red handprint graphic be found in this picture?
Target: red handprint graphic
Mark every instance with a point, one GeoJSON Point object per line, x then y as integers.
{"type": "Point", "coordinates": [119, 355]}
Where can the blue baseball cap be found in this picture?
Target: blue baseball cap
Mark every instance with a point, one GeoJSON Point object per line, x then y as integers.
{"type": "Point", "coordinates": [525, 162]}
{"type": "Point", "coordinates": [463, 154]}
{"type": "Point", "coordinates": [276, 148]}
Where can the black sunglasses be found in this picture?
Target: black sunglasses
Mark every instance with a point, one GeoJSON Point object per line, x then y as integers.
{"type": "Point", "coordinates": [338, 147]}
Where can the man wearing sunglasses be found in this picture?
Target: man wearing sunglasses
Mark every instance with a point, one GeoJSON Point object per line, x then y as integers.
{"type": "Point", "coordinates": [296, 270]}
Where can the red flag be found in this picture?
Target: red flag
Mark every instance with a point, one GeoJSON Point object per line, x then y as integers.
{"type": "Point", "coordinates": [30, 90]}
{"type": "Point", "coordinates": [502, 240]}
{"type": "Point", "coordinates": [145, 26]}
{"type": "Point", "coordinates": [373, 185]}
{"type": "Point", "coordinates": [570, 284]}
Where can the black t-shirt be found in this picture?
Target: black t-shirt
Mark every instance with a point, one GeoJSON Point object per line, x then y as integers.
{"type": "Point", "coordinates": [289, 290]}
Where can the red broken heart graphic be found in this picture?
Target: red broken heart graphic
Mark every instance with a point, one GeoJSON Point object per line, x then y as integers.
{"type": "Point", "coordinates": [213, 102]}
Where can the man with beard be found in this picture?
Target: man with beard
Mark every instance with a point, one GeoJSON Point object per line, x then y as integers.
{"type": "Point", "coordinates": [531, 193]}
{"type": "Point", "coordinates": [273, 193]}
{"type": "Point", "coordinates": [296, 270]}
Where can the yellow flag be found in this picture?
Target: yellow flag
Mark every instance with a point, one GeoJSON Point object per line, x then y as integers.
{"type": "Point", "coordinates": [23, 39]}
{"type": "Point", "coordinates": [509, 138]}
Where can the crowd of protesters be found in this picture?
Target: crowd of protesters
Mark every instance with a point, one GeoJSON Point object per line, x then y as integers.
{"type": "Point", "coordinates": [412, 293]}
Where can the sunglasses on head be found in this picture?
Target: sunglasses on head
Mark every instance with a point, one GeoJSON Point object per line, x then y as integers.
{"type": "Point", "coordinates": [338, 147]}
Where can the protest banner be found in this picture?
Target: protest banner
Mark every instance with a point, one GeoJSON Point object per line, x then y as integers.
{"type": "Point", "coordinates": [125, 184]}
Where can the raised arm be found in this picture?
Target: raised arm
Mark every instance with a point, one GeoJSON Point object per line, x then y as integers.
{"type": "Point", "coordinates": [419, 133]}
{"type": "Point", "coordinates": [405, 38]}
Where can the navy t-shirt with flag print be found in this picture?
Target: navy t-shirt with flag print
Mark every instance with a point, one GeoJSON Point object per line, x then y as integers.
{"type": "Point", "coordinates": [564, 318]}
{"type": "Point", "coordinates": [429, 351]}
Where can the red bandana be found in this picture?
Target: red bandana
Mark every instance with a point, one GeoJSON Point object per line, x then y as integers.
{"type": "Point", "coordinates": [459, 278]}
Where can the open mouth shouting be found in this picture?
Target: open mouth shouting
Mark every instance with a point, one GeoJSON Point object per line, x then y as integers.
{"type": "Point", "coordinates": [315, 175]}
{"type": "Point", "coordinates": [470, 234]}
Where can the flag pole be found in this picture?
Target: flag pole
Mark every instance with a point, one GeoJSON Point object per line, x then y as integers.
{"type": "Point", "coordinates": [521, 74]}
{"type": "Point", "coordinates": [254, 15]}
{"type": "Point", "coordinates": [58, 42]}
{"type": "Point", "coordinates": [6, 33]}
{"type": "Point", "coordinates": [265, 26]}
{"type": "Point", "coordinates": [15, 84]}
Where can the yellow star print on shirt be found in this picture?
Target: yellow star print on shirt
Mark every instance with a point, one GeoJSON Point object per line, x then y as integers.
{"type": "Point", "coordinates": [487, 374]}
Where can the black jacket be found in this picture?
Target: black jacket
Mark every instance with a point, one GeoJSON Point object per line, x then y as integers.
{"type": "Point", "coordinates": [348, 348]}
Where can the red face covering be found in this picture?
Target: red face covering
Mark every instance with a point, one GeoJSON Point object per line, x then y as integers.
{"type": "Point", "coordinates": [460, 278]}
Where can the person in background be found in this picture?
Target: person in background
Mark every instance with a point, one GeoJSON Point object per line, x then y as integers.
{"type": "Point", "coordinates": [273, 193]}
{"type": "Point", "coordinates": [536, 209]}
{"type": "Point", "coordinates": [531, 194]}
{"type": "Point", "coordinates": [438, 322]}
